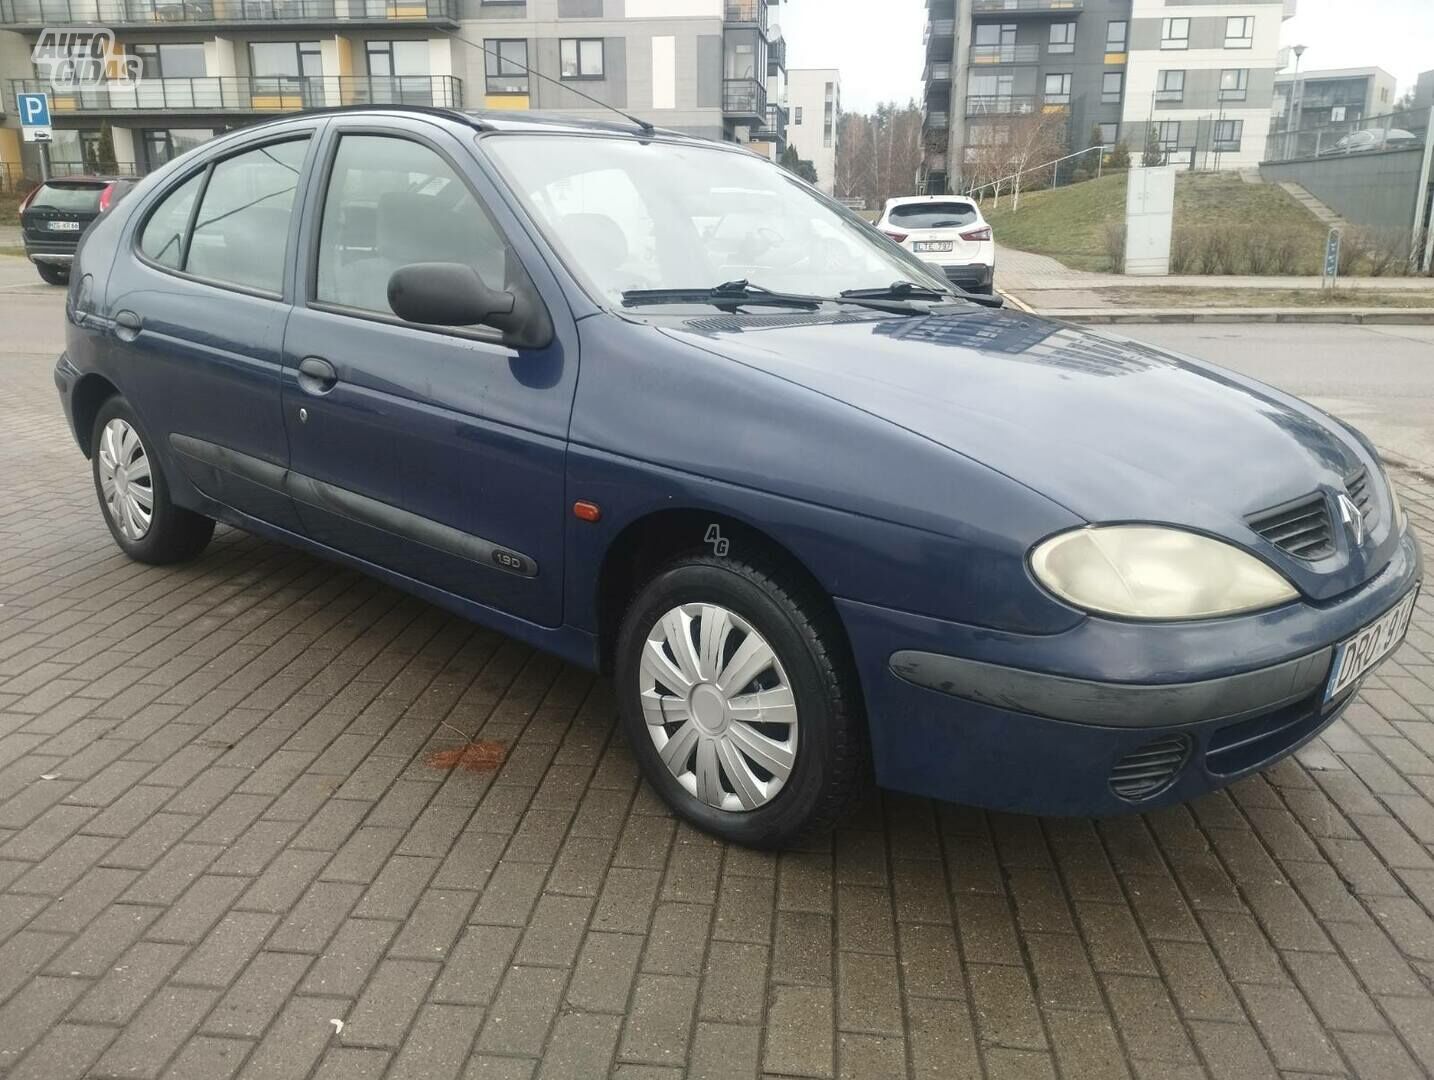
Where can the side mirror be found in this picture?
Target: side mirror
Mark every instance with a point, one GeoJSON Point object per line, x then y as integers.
{"type": "Point", "coordinates": [452, 294]}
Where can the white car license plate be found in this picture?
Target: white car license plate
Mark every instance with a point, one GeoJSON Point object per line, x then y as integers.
{"type": "Point", "coordinates": [1356, 657]}
{"type": "Point", "coordinates": [64, 226]}
{"type": "Point", "coordinates": [932, 245]}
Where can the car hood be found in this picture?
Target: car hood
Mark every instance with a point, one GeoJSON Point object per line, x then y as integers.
{"type": "Point", "coordinates": [1111, 429]}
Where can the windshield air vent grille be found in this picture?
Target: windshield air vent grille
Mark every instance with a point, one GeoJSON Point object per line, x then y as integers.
{"type": "Point", "coordinates": [1302, 529]}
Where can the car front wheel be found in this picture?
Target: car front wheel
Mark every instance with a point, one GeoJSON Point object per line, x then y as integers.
{"type": "Point", "coordinates": [134, 495]}
{"type": "Point", "coordinates": [739, 701]}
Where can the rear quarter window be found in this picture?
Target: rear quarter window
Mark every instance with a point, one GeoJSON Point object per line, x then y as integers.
{"type": "Point", "coordinates": [68, 198]}
{"type": "Point", "coordinates": [951, 215]}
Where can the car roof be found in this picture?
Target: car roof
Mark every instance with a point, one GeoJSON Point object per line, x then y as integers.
{"type": "Point", "coordinates": [911, 200]}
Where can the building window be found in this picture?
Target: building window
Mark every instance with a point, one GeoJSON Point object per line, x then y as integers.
{"type": "Point", "coordinates": [1170, 86]}
{"type": "Point", "coordinates": [1111, 84]}
{"type": "Point", "coordinates": [829, 119]}
{"type": "Point", "coordinates": [1240, 32]}
{"type": "Point", "coordinates": [287, 67]}
{"type": "Point", "coordinates": [1109, 134]}
{"type": "Point", "coordinates": [170, 61]}
{"type": "Point", "coordinates": [506, 65]}
{"type": "Point", "coordinates": [581, 58]}
{"type": "Point", "coordinates": [1062, 37]}
{"type": "Point", "coordinates": [1336, 114]}
{"type": "Point", "coordinates": [1167, 133]}
{"type": "Point", "coordinates": [1234, 84]}
{"type": "Point", "coordinates": [1115, 35]}
{"type": "Point", "coordinates": [1058, 90]}
{"type": "Point", "coordinates": [995, 34]}
{"type": "Point", "coordinates": [797, 115]}
{"type": "Point", "coordinates": [1175, 33]}
{"type": "Point", "coordinates": [1227, 134]}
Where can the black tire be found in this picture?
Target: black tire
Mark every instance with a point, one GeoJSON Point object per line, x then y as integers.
{"type": "Point", "coordinates": [174, 534]}
{"type": "Point", "coordinates": [51, 274]}
{"type": "Point", "coordinates": [831, 771]}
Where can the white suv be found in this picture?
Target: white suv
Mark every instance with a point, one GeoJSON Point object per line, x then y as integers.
{"type": "Point", "coordinates": [947, 231]}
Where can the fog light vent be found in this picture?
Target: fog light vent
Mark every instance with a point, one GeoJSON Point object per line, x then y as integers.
{"type": "Point", "coordinates": [1144, 772]}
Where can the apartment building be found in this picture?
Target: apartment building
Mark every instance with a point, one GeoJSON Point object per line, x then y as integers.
{"type": "Point", "coordinates": [1201, 71]}
{"type": "Point", "coordinates": [1316, 99]}
{"type": "Point", "coordinates": [163, 75]}
{"type": "Point", "coordinates": [814, 119]}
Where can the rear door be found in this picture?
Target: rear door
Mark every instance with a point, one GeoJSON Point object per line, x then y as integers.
{"type": "Point", "coordinates": [933, 230]}
{"type": "Point", "coordinates": [197, 308]}
{"type": "Point", "coordinates": [437, 453]}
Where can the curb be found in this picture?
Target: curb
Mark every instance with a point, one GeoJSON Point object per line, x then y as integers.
{"type": "Point", "coordinates": [1356, 316]}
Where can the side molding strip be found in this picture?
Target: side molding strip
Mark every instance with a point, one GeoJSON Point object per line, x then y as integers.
{"type": "Point", "coordinates": [359, 508]}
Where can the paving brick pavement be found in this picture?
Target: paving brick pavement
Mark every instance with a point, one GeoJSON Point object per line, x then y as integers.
{"type": "Point", "coordinates": [223, 853]}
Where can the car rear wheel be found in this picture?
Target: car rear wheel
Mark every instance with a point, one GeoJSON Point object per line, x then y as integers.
{"type": "Point", "coordinates": [739, 701]}
{"type": "Point", "coordinates": [52, 274]}
{"type": "Point", "coordinates": [134, 495]}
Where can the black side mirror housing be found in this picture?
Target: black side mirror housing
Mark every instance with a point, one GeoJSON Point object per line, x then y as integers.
{"type": "Point", "coordinates": [452, 294]}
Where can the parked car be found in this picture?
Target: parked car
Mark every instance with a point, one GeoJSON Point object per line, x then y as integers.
{"type": "Point", "coordinates": [1357, 142]}
{"type": "Point", "coordinates": [947, 231]}
{"type": "Point", "coordinates": [820, 517]}
{"type": "Point", "coordinates": [56, 214]}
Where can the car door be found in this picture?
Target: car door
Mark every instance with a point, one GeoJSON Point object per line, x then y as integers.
{"type": "Point", "coordinates": [437, 453]}
{"type": "Point", "coordinates": [197, 317]}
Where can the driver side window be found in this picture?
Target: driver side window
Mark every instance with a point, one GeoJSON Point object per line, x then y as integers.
{"type": "Point", "coordinates": [391, 203]}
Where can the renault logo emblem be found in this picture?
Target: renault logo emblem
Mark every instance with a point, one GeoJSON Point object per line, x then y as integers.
{"type": "Point", "coordinates": [1353, 520]}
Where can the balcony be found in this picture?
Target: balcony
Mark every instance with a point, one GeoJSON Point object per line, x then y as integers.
{"type": "Point", "coordinates": [1026, 7]}
{"type": "Point", "coordinates": [38, 14]}
{"type": "Point", "coordinates": [777, 53]}
{"type": "Point", "coordinates": [773, 129]}
{"type": "Point", "coordinates": [940, 39]}
{"type": "Point", "coordinates": [243, 94]}
{"type": "Point", "coordinates": [1000, 105]}
{"type": "Point", "coordinates": [744, 99]}
{"type": "Point", "coordinates": [938, 73]}
{"type": "Point", "coordinates": [936, 120]}
{"type": "Point", "coordinates": [752, 12]}
{"type": "Point", "coordinates": [1005, 54]}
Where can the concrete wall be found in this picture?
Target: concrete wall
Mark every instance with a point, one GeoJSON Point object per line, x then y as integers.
{"type": "Point", "coordinates": [1377, 189]}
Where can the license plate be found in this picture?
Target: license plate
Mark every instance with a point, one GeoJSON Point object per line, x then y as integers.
{"type": "Point", "coordinates": [932, 245]}
{"type": "Point", "coordinates": [64, 226]}
{"type": "Point", "coordinates": [1355, 658]}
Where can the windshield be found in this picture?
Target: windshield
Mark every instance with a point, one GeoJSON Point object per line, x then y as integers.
{"type": "Point", "coordinates": [932, 215]}
{"type": "Point", "coordinates": [629, 215]}
{"type": "Point", "coordinates": [73, 198]}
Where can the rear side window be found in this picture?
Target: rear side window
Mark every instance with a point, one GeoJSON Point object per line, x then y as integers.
{"type": "Point", "coordinates": [936, 215]}
{"type": "Point", "coordinates": [241, 231]}
{"type": "Point", "coordinates": [163, 236]}
{"type": "Point", "coordinates": [390, 203]}
{"type": "Point", "coordinates": [68, 198]}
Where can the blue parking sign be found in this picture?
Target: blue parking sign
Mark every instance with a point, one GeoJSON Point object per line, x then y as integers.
{"type": "Point", "coordinates": [34, 109]}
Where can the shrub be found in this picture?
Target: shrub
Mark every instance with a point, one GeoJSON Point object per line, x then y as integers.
{"type": "Point", "coordinates": [1184, 248]}
{"type": "Point", "coordinates": [1119, 158]}
{"type": "Point", "coordinates": [1351, 250]}
{"type": "Point", "coordinates": [1257, 245]}
{"type": "Point", "coordinates": [1217, 251]}
{"type": "Point", "coordinates": [1285, 253]}
{"type": "Point", "coordinates": [1115, 246]}
{"type": "Point", "coordinates": [1387, 250]}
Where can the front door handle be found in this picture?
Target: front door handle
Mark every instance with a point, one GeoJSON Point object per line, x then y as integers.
{"type": "Point", "coordinates": [317, 376]}
{"type": "Point", "coordinates": [128, 325]}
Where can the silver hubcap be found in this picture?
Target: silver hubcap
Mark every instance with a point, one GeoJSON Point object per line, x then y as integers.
{"type": "Point", "coordinates": [718, 707]}
{"type": "Point", "coordinates": [125, 480]}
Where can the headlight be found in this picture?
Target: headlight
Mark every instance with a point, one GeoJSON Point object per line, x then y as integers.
{"type": "Point", "coordinates": [1148, 572]}
{"type": "Point", "coordinates": [1394, 505]}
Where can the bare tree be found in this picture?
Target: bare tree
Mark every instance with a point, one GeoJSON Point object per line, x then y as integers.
{"type": "Point", "coordinates": [1034, 139]}
{"type": "Point", "coordinates": [879, 154]}
{"type": "Point", "coordinates": [855, 163]}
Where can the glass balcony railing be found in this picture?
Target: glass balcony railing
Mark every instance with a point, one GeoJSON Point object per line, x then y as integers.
{"type": "Point", "coordinates": [245, 94]}
{"type": "Point", "coordinates": [746, 11]}
{"type": "Point", "coordinates": [1000, 105]}
{"type": "Point", "coordinates": [1005, 54]}
{"type": "Point", "coordinates": [1025, 7]}
{"type": "Point", "coordinates": [112, 13]}
{"type": "Point", "coordinates": [744, 98]}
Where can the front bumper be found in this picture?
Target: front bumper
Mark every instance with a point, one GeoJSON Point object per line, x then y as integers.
{"type": "Point", "coordinates": [1108, 717]}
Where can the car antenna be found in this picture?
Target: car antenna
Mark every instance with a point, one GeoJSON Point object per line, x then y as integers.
{"type": "Point", "coordinates": [645, 125]}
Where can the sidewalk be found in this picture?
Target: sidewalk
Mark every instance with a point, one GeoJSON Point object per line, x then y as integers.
{"type": "Point", "coordinates": [1044, 286]}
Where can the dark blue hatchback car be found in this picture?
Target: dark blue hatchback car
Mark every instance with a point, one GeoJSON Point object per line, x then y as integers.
{"type": "Point", "coordinates": [655, 405]}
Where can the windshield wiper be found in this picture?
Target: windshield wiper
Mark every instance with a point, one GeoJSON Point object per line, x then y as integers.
{"type": "Point", "coordinates": [910, 290]}
{"type": "Point", "coordinates": [742, 293]}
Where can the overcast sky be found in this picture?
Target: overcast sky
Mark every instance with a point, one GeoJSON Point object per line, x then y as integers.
{"type": "Point", "coordinates": [878, 46]}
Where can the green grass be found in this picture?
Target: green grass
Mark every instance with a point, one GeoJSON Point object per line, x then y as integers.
{"type": "Point", "coordinates": [1163, 297]}
{"type": "Point", "coordinates": [12, 252]}
{"type": "Point", "coordinates": [1069, 223]}
{"type": "Point", "coordinates": [9, 208]}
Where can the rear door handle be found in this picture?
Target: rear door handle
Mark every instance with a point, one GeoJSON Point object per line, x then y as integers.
{"type": "Point", "coordinates": [317, 376]}
{"type": "Point", "coordinates": [128, 325]}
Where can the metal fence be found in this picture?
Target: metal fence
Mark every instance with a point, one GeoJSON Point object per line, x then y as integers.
{"type": "Point", "coordinates": [164, 12]}
{"type": "Point", "coordinates": [1408, 130]}
{"type": "Point", "coordinates": [238, 93]}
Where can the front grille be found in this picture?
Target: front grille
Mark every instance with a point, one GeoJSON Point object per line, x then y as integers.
{"type": "Point", "coordinates": [1359, 490]}
{"type": "Point", "coordinates": [1248, 743]}
{"type": "Point", "coordinates": [1302, 528]}
{"type": "Point", "coordinates": [1151, 769]}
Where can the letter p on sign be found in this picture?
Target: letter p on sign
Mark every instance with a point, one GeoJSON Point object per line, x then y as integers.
{"type": "Point", "coordinates": [34, 110]}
